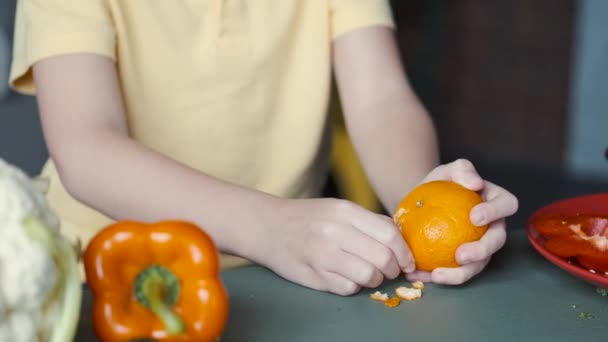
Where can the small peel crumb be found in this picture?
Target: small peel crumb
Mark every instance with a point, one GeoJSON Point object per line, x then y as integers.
{"type": "Point", "coordinates": [379, 296]}
{"type": "Point", "coordinates": [392, 302]}
{"type": "Point", "coordinates": [408, 293]}
{"type": "Point", "coordinates": [418, 285]}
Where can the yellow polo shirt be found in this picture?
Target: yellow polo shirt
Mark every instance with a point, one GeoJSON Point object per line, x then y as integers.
{"type": "Point", "coordinates": [235, 88]}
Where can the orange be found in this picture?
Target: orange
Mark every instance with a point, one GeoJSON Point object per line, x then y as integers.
{"type": "Point", "coordinates": [434, 221]}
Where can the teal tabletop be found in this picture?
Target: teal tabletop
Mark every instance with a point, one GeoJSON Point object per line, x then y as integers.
{"type": "Point", "coordinates": [519, 297]}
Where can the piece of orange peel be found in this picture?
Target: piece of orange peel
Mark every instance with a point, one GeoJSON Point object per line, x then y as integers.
{"type": "Point", "coordinates": [402, 292]}
{"type": "Point", "coordinates": [392, 302]}
{"type": "Point", "coordinates": [383, 297]}
{"type": "Point", "coordinates": [418, 285]}
{"type": "Point", "coordinates": [379, 296]}
{"type": "Point", "coordinates": [408, 294]}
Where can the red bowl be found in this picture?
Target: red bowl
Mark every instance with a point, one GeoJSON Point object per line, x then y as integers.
{"type": "Point", "coordinates": [592, 204]}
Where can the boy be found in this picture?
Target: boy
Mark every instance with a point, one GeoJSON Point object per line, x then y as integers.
{"type": "Point", "coordinates": [215, 112]}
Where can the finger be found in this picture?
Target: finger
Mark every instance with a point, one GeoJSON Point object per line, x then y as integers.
{"type": "Point", "coordinates": [385, 232]}
{"type": "Point", "coordinates": [499, 203]}
{"type": "Point", "coordinates": [491, 242]}
{"type": "Point", "coordinates": [362, 245]}
{"type": "Point", "coordinates": [458, 275]}
{"type": "Point", "coordinates": [460, 171]}
{"type": "Point", "coordinates": [352, 268]}
{"type": "Point", "coordinates": [339, 285]}
{"type": "Point", "coordinates": [422, 276]}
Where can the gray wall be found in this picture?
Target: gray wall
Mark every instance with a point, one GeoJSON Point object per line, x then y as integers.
{"type": "Point", "coordinates": [7, 8]}
{"type": "Point", "coordinates": [21, 140]}
{"type": "Point", "coordinates": [588, 128]}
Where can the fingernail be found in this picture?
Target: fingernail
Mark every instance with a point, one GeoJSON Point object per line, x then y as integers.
{"type": "Point", "coordinates": [477, 217]}
{"type": "Point", "coordinates": [409, 268]}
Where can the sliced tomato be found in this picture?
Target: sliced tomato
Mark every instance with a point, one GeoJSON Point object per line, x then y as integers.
{"type": "Point", "coordinates": [597, 264]}
{"type": "Point", "coordinates": [572, 246]}
{"type": "Point", "coordinates": [596, 226]}
{"type": "Point", "coordinates": [564, 225]}
{"type": "Point", "coordinates": [582, 236]}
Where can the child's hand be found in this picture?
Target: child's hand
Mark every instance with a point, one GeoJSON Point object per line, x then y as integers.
{"type": "Point", "coordinates": [334, 245]}
{"type": "Point", "coordinates": [498, 204]}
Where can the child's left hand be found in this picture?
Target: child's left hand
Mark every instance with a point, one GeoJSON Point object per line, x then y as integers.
{"type": "Point", "coordinates": [474, 256]}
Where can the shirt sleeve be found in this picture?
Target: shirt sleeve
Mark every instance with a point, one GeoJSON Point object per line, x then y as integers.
{"type": "Point", "coordinates": [348, 15]}
{"type": "Point", "coordinates": [45, 28]}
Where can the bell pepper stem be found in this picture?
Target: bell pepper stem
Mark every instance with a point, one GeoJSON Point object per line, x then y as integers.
{"type": "Point", "coordinates": [157, 289]}
{"type": "Point", "coordinates": [173, 324]}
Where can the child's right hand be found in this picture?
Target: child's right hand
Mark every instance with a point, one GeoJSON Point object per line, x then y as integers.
{"type": "Point", "coordinates": [334, 245]}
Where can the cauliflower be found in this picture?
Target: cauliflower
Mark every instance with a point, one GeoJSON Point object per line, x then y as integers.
{"type": "Point", "coordinates": [40, 289]}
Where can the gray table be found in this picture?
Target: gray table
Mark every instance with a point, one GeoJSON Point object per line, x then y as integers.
{"type": "Point", "coordinates": [519, 297]}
